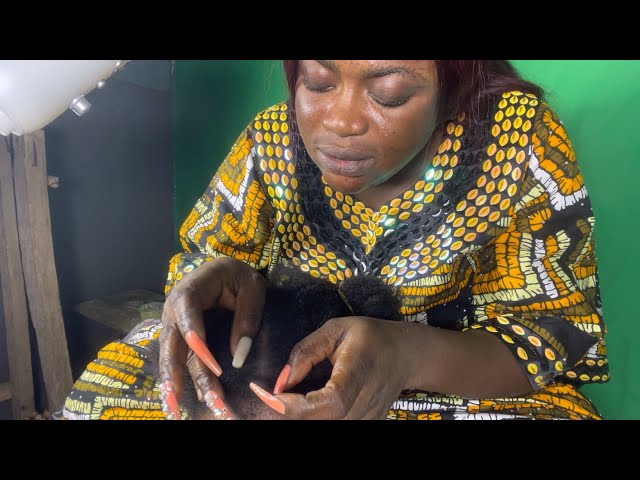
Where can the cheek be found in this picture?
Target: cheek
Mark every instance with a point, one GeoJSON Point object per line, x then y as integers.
{"type": "Point", "coordinates": [308, 115]}
{"type": "Point", "coordinates": [403, 133]}
{"type": "Point", "coordinates": [402, 140]}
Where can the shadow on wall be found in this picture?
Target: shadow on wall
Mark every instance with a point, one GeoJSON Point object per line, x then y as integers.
{"type": "Point", "coordinates": [111, 216]}
{"type": "Point", "coordinates": [599, 103]}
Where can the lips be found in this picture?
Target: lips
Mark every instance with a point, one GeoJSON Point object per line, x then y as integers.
{"type": "Point", "coordinates": [344, 162]}
{"type": "Point", "coordinates": [346, 154]}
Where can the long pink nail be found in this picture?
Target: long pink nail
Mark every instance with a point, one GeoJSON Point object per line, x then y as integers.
{"type": "Point", "coordinates": [217, 406]}
{"type": "Point", "coordinates": [282, 380]}
{"type": "Point", "coordinates": [170, 402]}
{"type": "Point", "coordinates": [271, 401]}
{"type": "Point", "coordinates": [200, 349]}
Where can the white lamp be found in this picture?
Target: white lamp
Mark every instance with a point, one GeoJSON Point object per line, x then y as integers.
{"type": "Point", "coordinates": [35, 92]}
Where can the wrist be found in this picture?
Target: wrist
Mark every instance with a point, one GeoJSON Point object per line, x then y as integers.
{"type": "Point", "coordinates": [420, 354]}
{"type": "Point", "coordinates": [470, 364]}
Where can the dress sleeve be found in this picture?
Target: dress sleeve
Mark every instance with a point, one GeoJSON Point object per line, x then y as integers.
{"type": "Point", "coordinates": [233, 218]}
{"type": "Point", "coordinates": [535, 286]}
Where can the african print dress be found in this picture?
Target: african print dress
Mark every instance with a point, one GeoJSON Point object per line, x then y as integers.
{"type": "Point", "coordinates": [496, 235]}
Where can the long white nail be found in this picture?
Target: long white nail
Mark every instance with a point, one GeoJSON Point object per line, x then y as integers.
{"type": "Point", "coordinates": [242, 350]}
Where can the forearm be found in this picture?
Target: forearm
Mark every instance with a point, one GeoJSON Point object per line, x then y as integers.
{"type": "Point", "coordinates": [471, 364]}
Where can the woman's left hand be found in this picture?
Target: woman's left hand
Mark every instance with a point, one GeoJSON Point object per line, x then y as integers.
{"type": "Point", "coordinates": [369, 371]}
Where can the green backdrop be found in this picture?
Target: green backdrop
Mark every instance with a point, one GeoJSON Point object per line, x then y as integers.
{"type": "Point", "coordinates": [599, 102]}
{"type": "Point", "coordinates": [214, 102]}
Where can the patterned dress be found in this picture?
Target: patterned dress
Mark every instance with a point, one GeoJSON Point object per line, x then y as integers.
{"type": "Point", "coordinates": [496, 235]}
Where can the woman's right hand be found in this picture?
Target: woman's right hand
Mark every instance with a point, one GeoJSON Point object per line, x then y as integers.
{"type": "Point", "coordinates": [222, 282]}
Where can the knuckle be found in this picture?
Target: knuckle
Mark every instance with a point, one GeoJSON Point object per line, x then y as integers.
{"type": "Point", "coordinates": [374, 401]}
{"type": "Point", "coordinates": [166, 363]}
{"type": "Point", "coordinates": [222, 261]}
{"type": "Point", "coordinates": [332, 324]}
{"type": "Point", "coordinates": [198, 374]}
{"type": "Point", "coordinates": [192, 362]}
{"type": "Point", "coordinates": [190, 292]}
{"type": "Point", "coordinates": [184, 289]}
{"type": "Point", "coordinates": [333, 328]}
{"type": "Point", "coordinates": [166, 333]}
{"type": "Point", "coordinates": [255, 276]}
{"type": "Point", "coordinates": [298, 351]}
{"type": "Point", "coordinates": [175, 299]}
{"type": "Point", "coordinates": [169, 302]}
{"type": "Point", "coordinates": [338, 404]}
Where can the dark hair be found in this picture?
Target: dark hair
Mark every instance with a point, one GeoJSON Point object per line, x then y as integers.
{"type": "Point", "coordinates": [296, 304]}
{"type": "Point", "coordinates": [468, 86]}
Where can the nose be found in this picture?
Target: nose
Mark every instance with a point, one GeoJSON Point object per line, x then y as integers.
{"type": "Point", "coordinates": [345, 116]}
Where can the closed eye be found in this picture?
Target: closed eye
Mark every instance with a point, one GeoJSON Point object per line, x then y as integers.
{"type": "Point", "coordinates": [315, 87]}
{"type": "Point", "coordinates": [390, 104]}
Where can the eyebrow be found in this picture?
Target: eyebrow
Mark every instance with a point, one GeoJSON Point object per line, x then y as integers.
{"type": "Point", "coordinates": [377, 72]}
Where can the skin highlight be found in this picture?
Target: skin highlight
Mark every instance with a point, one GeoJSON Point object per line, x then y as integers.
{"type": "Point", "coordinates": [370, 126]}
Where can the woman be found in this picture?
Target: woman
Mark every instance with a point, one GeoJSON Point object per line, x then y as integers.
{"type": "Point", "coordinates": [449, 180]}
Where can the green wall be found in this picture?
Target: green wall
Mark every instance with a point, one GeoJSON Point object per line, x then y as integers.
{"type": "Point", "coordinates": [599, 102]}
{"type": "Point", "coordinates": [214, 102]}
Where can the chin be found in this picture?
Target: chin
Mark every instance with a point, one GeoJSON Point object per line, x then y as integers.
{"type": "Point", "coordinates": [346, 185]}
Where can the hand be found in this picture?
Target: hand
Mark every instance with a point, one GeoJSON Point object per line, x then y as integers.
{"type": "Point", "coordinates": [222, 282]}
{"type": "Point", "coordinates": [368, 371]}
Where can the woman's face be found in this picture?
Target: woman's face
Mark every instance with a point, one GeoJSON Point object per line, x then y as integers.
{"type": "Point", "coordinates": [363, 121]}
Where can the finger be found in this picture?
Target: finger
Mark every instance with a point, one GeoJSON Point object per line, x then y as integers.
{"type": "Point", "coordinates": [249, 303]}
{"type": "Point", "coordinates": [281, 382]}
{"type": "Point", "coordinates": [307, 353]}
{"type": "Point", "coordinates": [186, 308]}
{"type": "Point", "coordinates": [332, 402]}
{"type": "Point", "coordinates": [273, 402]}
{"type": "Point", "coordinates": [199, 290]}
{"type": "Point", "coordinates": [208, 387]}
{"type": "Point", "coordinates": [202, 351]}
{"type": "Point", "coordinates": [324, 404]}
{"type": "Point", "coordinates": [173, 355]}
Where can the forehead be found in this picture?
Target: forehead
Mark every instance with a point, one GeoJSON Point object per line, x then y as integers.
{"type": "Point", "coordinates": [419, 68]}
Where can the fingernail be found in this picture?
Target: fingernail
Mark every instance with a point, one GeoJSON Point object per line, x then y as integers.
{"type": "Point", "coordinates": [217, 406]}
{"type": "Point", "coordinates": [271, 401]}
{"type": "Point", "coordinates": [242, 351]}
{"type": "Point", "coordinates": [199, 392]}
{"type": "Point", "coordinates": [169, 401]}
{"type": "Point", "coordinates": [282, 380]}
{"type": "Point", "coordinates": [200, 349]}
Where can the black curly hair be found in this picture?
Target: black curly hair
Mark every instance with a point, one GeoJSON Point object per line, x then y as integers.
{"type": "Point", "coordinates": [296, 305]}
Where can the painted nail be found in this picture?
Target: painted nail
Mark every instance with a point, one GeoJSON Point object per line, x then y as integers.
{"type": "Point", "coordinates": [282, 380]}
{"type": "Point", "coordinates": [271, 401]}
{"type": "Point", "coordinates": [170, 402]}
{"type": "Point", "coordinates": [200, 349]}
{"type": "Point", "coordinates": [242, 351]}
{"type": "Point", "coordinates": [217, 406]}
